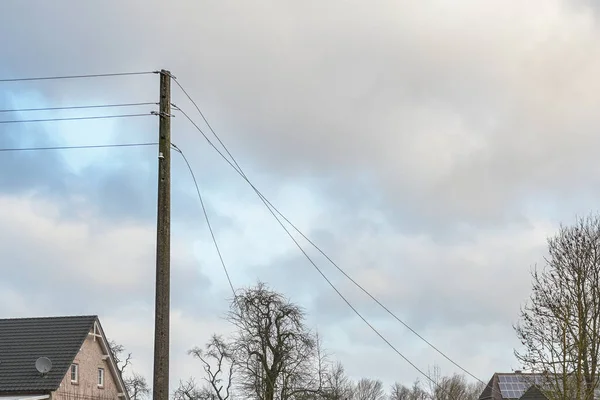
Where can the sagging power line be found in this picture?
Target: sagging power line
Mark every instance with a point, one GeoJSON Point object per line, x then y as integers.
{"type": "Point", "coordinates": [314, 264]}
{"type": "Point", "coordinates": [164, 167]}
{"type": "Point", "coordinates": [274, 210]}
{"type": "Point", "coordinates": [205, 212]}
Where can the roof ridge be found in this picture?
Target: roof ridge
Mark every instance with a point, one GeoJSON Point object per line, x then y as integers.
{"type": "Point", "coordinates": [519, 373]}
{"type": "Point", "coordinates": [48, 317]}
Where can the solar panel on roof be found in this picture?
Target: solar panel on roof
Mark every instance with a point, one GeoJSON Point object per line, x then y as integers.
{"type": "Point", "coordinates": [514, 386]}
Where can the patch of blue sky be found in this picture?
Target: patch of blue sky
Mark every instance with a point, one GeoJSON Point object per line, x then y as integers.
{"type": "Point", "coordinates": [560, 208]}
{"type": "Point", "coordinates": [79, 132]}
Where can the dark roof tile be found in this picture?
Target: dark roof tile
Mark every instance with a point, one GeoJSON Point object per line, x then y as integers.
{"type": "Point", "coordinates": [534, 393]}
{"type": "Point", "coordinates": [24, 340]}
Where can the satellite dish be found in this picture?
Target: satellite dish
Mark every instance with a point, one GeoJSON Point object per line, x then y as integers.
{"type": "Point", "coordinates": [43, 365]}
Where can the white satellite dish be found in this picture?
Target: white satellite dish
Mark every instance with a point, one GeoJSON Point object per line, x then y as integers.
{"type": "Point", "coordinates": [43, 365]}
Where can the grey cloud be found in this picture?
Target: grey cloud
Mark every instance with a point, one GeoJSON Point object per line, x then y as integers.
{"type": "Point", "coordinates": [438, 120]}
{"type": "Point", "coordinates": [455, 124]}
{"type": "Point", "coordinates": [121, 186]}
{"type": "Point", "coordinates": [26, 171]}
{"type": "Point", "coordinates": [125, 189]}
{"type": "Point", "coordinates": [107, 266]}
{"type": "Point", "coordinates": [428, 284]}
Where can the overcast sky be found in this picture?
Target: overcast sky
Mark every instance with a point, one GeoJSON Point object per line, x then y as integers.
{"type": "Point", "coordinates": [429, 147]}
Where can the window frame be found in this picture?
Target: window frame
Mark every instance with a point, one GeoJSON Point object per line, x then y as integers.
{"type": "Point", "coordinates": [74, 370]}
{"type": "Point", "coordinates": [101, 377]}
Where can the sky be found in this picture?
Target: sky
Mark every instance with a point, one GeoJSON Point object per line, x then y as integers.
{"type": "Point", "coordinates": [428, 147]}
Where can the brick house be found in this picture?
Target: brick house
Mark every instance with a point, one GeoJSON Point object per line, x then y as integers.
{"type": "Point", "coordinates": [83, 367]}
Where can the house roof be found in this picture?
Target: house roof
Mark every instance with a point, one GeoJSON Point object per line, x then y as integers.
{"type": "Point", "coordinates": [512, 385]}
{"type": "Point", "coordinates": [489, 392]}
{"type": "Point", "coordinates": [534, 393]}
{"type": "Point", "coordinates": [24, 340]}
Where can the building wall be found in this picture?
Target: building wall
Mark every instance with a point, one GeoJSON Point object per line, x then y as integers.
{"type": "Point", "coordinates": [89, 360]}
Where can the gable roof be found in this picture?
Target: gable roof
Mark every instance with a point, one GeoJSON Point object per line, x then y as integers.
{"type": "Point", "coordinates": [24, 340]}
{"type": "Point", "coordinates": [533, 393]}
{"type": "Point", "coordinates": [491, 391]}
{"type": "Point", "coordinates": [513, 385]}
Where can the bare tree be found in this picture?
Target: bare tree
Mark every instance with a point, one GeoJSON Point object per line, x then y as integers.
{"type": "Point", "coordinates": [418, 393]}
{"type": "Point", "coordinates": [337, 386]}
{"type": "Point", "coordinates": [190, 391]}
{"type": "Point", "coordinates": [454, 387]}
{"type": "Point", "coordinates": [218, 363]}
{"type": "Point", "coordinates": [415, 392]}
{"type": "Point", "coordinates": [136, 385]}
{"type": "Point", "coordinates": [122, 358]}
{"type": "Point", "coordinates": [435, 375]}
{"type": "Point", "coordinates": [559, 327]}
{"type": "Point", "coordinates": [451, 387]}
{"type": "Point", "coordinates": [369, 389]}
{"type": "Point", "coordinates": [276, 352]}
{"type": "Point", "coordinates": [474, 390]}
{"type": "Point", "coordinates": [304, 377]}
{"type": "Point", "coordinates": [400, 392]}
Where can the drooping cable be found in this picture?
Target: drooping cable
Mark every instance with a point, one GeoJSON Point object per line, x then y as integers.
{"type": "Point", "coordinates": [212, 233]}
{"type": "Point", "coordinates": [235, 165]}
{"type": "Point", "coordinates": [312, 262]}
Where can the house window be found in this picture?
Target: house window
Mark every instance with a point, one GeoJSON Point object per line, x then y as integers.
{"type": "Point", "coordinates": [74, 373]}
{"type": "Point", "coordinates": [100, 377]}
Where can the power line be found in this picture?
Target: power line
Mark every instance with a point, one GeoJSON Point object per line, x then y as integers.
{"type": "Point", "coordinates": [48, 78]}
{"type": "Point", "coordinates": [269, 205]}
{"type": "Point", "coordinates": [241, 172]}
{"type": "Point", "coordinates": [207, 123]}
{"type": "Point", "coordinates": [212, 234]}
{"type": "Point", "coordinates": [18, 121]}
{"type": "Point", "coordinates": [77, 107]}
{"type": "Point", "coordinates": [350, 304]}
{"type": "Point", "coordinates": [93, 146]}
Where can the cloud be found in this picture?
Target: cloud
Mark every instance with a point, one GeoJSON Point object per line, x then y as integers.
{"type": "Point", "coordinates": [58, 267]}
{"type": "Point", "coordinates": [91, 266]}
{"type": "Point", "coordinates": [462, 296]}
{"type": "Point", "coordinates": [477, 108]}
{"type": "Point", "coordinates": [43, 250]}
{"type": "Point", "coordinates": [134, 328]}
{"type": "Point", "coordinates": [428, 148]}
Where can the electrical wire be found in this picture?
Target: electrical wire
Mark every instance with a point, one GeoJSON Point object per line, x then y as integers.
{"type": "Point", "coordinates": [76, 107]}
{"type": "Point", "coordinates": [93, 146]}
{"type": "Point", "coordinates": [212, 233]}
{"type": "Point", "coordinates": [240, 171]}
{"type": "Point", "coordinates": [207, 123]}
{"type": "Point", "coordinates": [268, 203]}
{"type": "Point", "coordinates": [48, 78]}
{"type": "Point", "coordinates": [18, 121]}
{"type": "Point", "coordinates": [351, 306]}
{"type": "Point", "coordinates": [358, 313]}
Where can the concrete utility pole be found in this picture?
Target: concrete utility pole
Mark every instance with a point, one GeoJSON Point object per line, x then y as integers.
{"type": "Point", "coordinates": [160, 387]}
